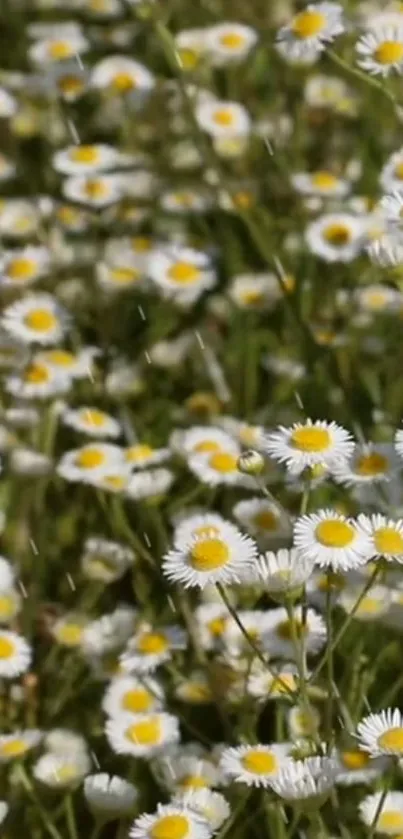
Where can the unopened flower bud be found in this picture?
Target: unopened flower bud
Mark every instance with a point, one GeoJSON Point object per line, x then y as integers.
{"type": "Point", "coordinates": [251, 463]}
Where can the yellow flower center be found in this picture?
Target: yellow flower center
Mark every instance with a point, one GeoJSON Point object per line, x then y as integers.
{"type": "Point", "coordinates": [170, 827]}
{"type": "Point", "coordinates": [70, 85]}
{"type": "Point", "coordinates": [193, 782]}
{"type": "Point", "coordinates": [90, 458]}
{"type": "Point", "coordinates": [252, 297]}
{"type": "Point", "coordinates": [375, 299]}
{"type": "Point", "coordinates": [70, 634]}
{"type": "Point", "coordinates": [389, 52]}
{"type": "Point", "coordinates": [84, 154]}
{"type": "Point", "coordinates": [390, 821]}
{"type": "Point", "coordinates": [95, 189]}
{"type": "Point", "coordinates": [266, 520]}
{"type": "Point", "coordinates": [183, 272]}
{"type": "Point", "coordinates": [59, 50]}
{"type": "Point", "coordinates": [206, 446]}
{"type": "Point", "coordinates": [223, 462]}
{"type": "Point", "coordinates": [334, 533]}
{"type": "Point", "coordinates": [135, 454]}
{"type": "Point", "coordinates": [40, 320]}
{"type": "Point", "coordinates": [308, 24]}
{"type": "Point", "coordinates": [331, 581]}
{"type": "Point", "coordinates": [217, 626]}
{"type": "Point", "coordinates": [242, 200]}
{"type": "Point", "coordinates": [188, 58]}
{"type": "Point", "coordinates": [94, 417]}
{"type": "Point", "coordinates": [137, 700]}
{"type": "Point", "coordinates": [399, 171]}
{"type": "Point", "coordinates": [123, 82]}
{"type": "Point", "coordinates": [232, 40]}
{"type": "Point", "coordinates": [392, 739]}
{"type": "Point", "coordinates": [7, 648]}
{"type": "Point", "coordinates": [369, 606]}
{"type": "Point", "coordinates": [209, 555]}
{"type": "Point", "coordinates": [355, 760]}
{"type": "Point", "coordinates": [152, 643]}
{"type": "Point", "coordinates": [196, 693]}
{"type": "Point", "coordinates": [7, 606]}
{"type": "Point", "coordinates": [260, 763]}
{"type": "Point", "coordinates": [67, 215]}
{"type": "Point", "coordinates": [145, 733]}
{"type": "Point", "coordinates": [21, 269]}
{"type": "Point", "coordinates": [114, 481]}
{"type": "Point", "coordinates": [13, 748]}
{"type": "Point", "coordinates": [124, 276]}
{"type": "Point", "coordinates": [337, 235]}
{"type": "Point", "coordinates": [223, 117]}
{"type": "Point", "coordinates": [60, 357]}
{"type": "Point", "coordinates": [388, 541]}
{"type": "Point", "coordinates": [286, 630]}
{"type": "Point", "coordinates": [324, 180]}
{"type": "Point", "coordinates": [310, 439]}
{"type": "Point", "coordinates": [283, 683]}
{"type": "Point", "coordinates": [371, 464]}
{"type": "Point", "coordinates": [36, 374]}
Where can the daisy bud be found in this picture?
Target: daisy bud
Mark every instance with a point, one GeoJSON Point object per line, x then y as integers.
{"type": "Point", "coordinates": [251, 463]}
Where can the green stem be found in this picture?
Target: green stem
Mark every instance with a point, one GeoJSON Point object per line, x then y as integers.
{"type": "Point", "coordinates": [47, 823]}
{"type": "Point", "coordinates": [70, 817]}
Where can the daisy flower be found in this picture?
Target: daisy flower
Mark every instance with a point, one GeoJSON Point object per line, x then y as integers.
{"type": "Point", "coordinates": [202, 439]}
{"type": "Point", "coordinates": [283, 572]}
{"type": "Point", "coordinates": [104, 560]}
{"type": "Point", "coordinates": [92, 460]}
{"type": "Point", "coordinates": [263, 519]}
{"type": "Point", "coordinates": [69, 629]}
{"type": "Point", "coordinates": [15, 654]}
{"type": "Point", "coordinates": [195, 690]}
{"type": "Point", "coordinates": [322, 183]}
{"type": "Point", "coordinates": [309, 444]}
{"type": "Point", "coordinates": [141, 735]}
{"type": "Point", "coordinates": [219, 468]}
{"type": "Point", "coordinates": [51, 49]}
{"type": "Point", "coordinates": [256, 766]}
{"type": "Point", "coordinates": [37, 318]}
{"type": "Point", "coordinates": [171, 821]}
{"type": "Point", "coordinates": [311, 29]}
{"type": "Point", "coordinates": [389, 818]}
{"type": "Point", "coordinates": [184, 201]}
{"type": "Point", "coordinates": [187, 772]}
{"type": "Point", "coordinates": [306, 780]}
{"type": "Point", "coordinates": [280, 682]}
{"type": "Point", "coordinates": [329, 539]}
{"type": "Point", "coordinates": [122, 76]}
{"type": "Point", "coordinates": [37, 381]}
{"type": "Point", "coordinates": [357, 767]}
{"type": "Point", "coordinates": [10, 604]}
{"type": "Point", "coordinates": [151, 484]}
{"type": "Point", "coordinates": [91, 421]}
{"type": "Point", "coordinates": [391, 177]}
{"type": "Point", "coordinates": [109, 796]}
{"type": "Point", "coordinates": [211, 805]}
{"type": "Point", "coordinates": [372, 606]}
{"type": "Point", "coordinates": [336, 237]}
{"type": "Point", "coordinates": [254, 622]}
{"type": "Point", "coordinates": [126, 694]}
{"type": "Point", "coordinates": [385, 536]}
{"type": "Point", "coordinates": [59, 771]}
{"type": "Point", "coordinates": [382, 734]}
{"type": "Point", "coordinates": [279, 632]}
{"type": "Point", "coordinates": [379, 299]}
{"type": "Point", "coordinates": [17, 744]}
{"type": "Point", "coordinates": [380, 50]}
{"type": "Point", "coordinates": [85, 159]}
{"type": "Point", "coordinates": [69, 79]}
{"type": "Point", "coordinates": [227, 42]}
{"type": "Point", "coordinates": [223, 119]}
{"type": "Point", "coordinates": [181, 271]}
{"type": "Point", "coordinates": [211, 558]}
{"type": "Point", "coordinates": [303, 722]}
{"type": "Point", "coordinates": [20, 268]}
{"type": "Point", "coordinates": [211, 621]}
{"type": "Point", "coordinates": [97, 191]}
{"type": "Point", "coordinates": [149, 648]}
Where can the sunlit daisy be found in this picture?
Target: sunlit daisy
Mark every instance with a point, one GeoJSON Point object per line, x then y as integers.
{"type": "Point", "coordinates": [379, 299]}
{"type": "Point", "coordinates": [37, 318]}
{"type": "Point", "coordinates": [220, 467]}
{"type": "Point", "coordinates": [85, 159]}
{"type": "Point", "coordinates": [17, 744]}
{"type": "Point", "coordinates": [329, 539]}
{"type": "Point", "coordinates": [278, 682]}
{"type": "Point", "coordinates": [309, 444]}
{"type": "Point", "coordinates": [386, 811]}
{"type": "Point", "coordinates": [202, 439]}
{"type": "Point", "coordinates": [171, 821]}
{"type": "Point", "coordinates": [303, 722]}
{"type": "Point", "coordinates": [380, 50]}
{"type": "Point", "coordinates": [142, 455]}
{"type": "Point", "coordinates": [372, 606]}
{"type": "Point", "coordinates": [181, 271]}
{"type": "Point", "coordinates": [22, 267]}
{"type": "Point", "coordinates": [264, 520]}
{"type": "Point", "coordinates": [223, 118]}
{"type": "Point", "coordinates": [321, 183]}
{"type": "Point", "coordinates": [211, 623]}
{"type": "Point", "coordinates": [92, 421]}
{"type": "Point", "coordinates": [53, 49]}
{"type": "Point", "coordinates": [185, 772]}
{"type": "Point", "coordinates": [96, 191]}
{"type": "Point", "coordinates": [15, 654]}
{"type": "Point", "coordinates": [77, 365]}
{"type": "Point", "coordinates": [311, 779]}
{"type": "Point", "coordinates": [391, 177]}
{"type": "Point", "coordinates": [211, 558]}
{"type": "Point", "coordinates": [199, 525]}
{"type": "Point", "coordinates": [89, 461]}
{"type": "Point", "coordinates": [126, 694]}
{"type": "Point", "coordinates": [255, 766]}
{"type": "Point", "coordinates": [229, 42]}
{"type": "Point", "coordinates": [37, 381]}
{"type": "Point", "coordinates": [283, 572]}
{"type": "Point", "coordinates": [281, 635]}
{"type": "Point", "coordinates": [336, 237]}
{"type": "Point", "coordinates": [150, 648]}
{"type": "Point", "coordinates": [153, 483]}
{"type": "Point", "coordinates": [141, 734]}
{"type": "Point", "coordinates": [385, 535]}
{"type": "Point", "coordinates": [104, 560]}
{"type": "Point", "coordinates": [60, 772]}
{"type": "Point", "coordinates": [211, 805]}
{"type": "Point", "coordinates": [121, 76]}
{"type": "Point", "coordinates": [382, 734]}
{"type": "Point", "coordinates": [357, 767]}
{"type": "Point", "coordinates": [311, 29]}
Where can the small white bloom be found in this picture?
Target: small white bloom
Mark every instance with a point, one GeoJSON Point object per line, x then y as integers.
{"type": "Point", "coordinates": [109, 796]}
{"type": "Point", "coordinates": [309, 444]}
{"type": "Point", "coordinates": [382, 734]}
{"type": "Point", "coordinates": [223, 119]}
{"type": "Point", "coordinates": [127, 694]}
{"type": "Point", "coordinates": [211, 558]}
{"type": "Point", "coordinates": [92, 421]}
{"type": "Point", "coordinates": [284, 571]}
{"type": "Point", "coordinates": [336, 237]}
{"type": "Point", "coordinates": [329, 539]}
{"type": "Point", "coordinates": [385, 536]}
{"type": "Point", "coordinates": [142, 735]}
{"type": "Point", "coordinates": [37, 318]}
{"type": "Point", "coordinates": [171, 821]}
{"type": "Point", "coordinates": [58, 771]}
{"type": "Point", "coordinates": [149, 648]}
{"type": "Point", "coordinates": [254, 765]}
{"type": "Point", "coordinates": [311, 29]}
{"type": "Point", "coordinates": [300, 780]}
{"type": "Point", "coordinates": [16, 745]}
{"type": "Point", "coordinates": [15, 654]}
{"type": "Point", "coordinates": [380, 50]}
{"type": "Point", "coordinates": [389, 818]}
